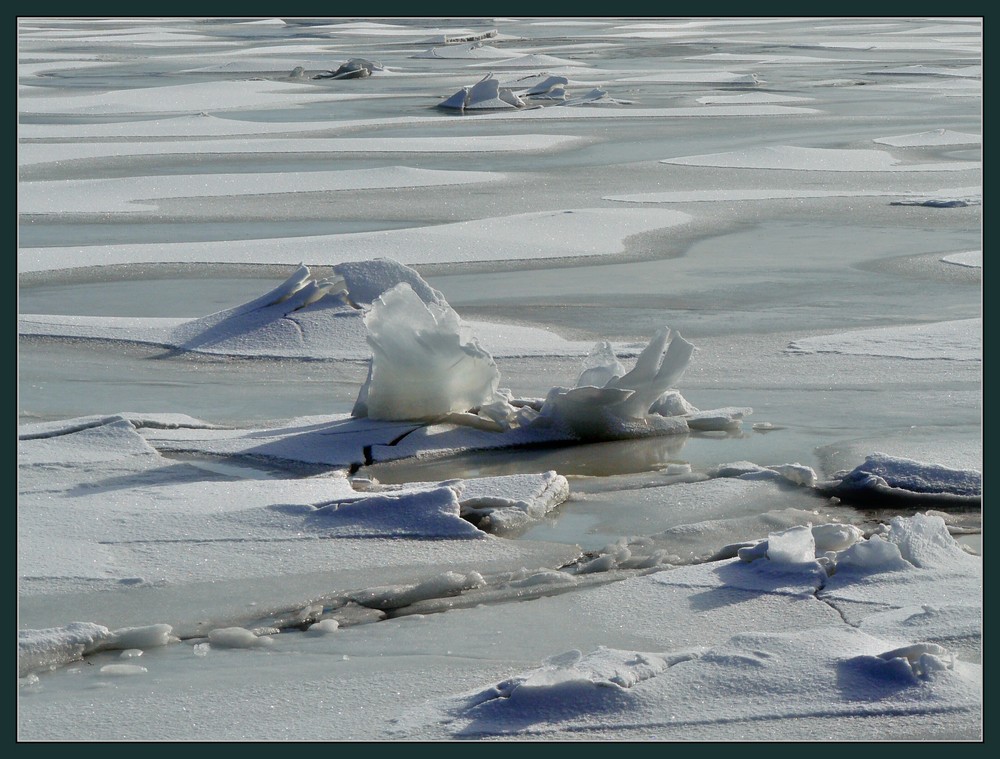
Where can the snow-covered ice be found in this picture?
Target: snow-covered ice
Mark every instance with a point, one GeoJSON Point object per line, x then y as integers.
{"type": "Point", "coordinates": [791, 158]}
{"type": "Point", "coordinates": [347, 417]}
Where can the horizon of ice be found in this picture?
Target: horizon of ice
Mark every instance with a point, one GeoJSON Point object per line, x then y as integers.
{"type": "Point", "coordinates": [699, 77]}
{"type": "Point", "coordinates": [531, 61]}
{"type": "Point", "coordinates": [922, 70]}
{"type": "Point", "coordinates": [472, 50]}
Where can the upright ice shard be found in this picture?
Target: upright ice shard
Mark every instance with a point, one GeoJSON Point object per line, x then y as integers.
{"type": "Point", "coordinates": [425, 362]}
{"type": "Point", "coordinates": [484, 95]}
{"type": "Point", "coordinates": [621, 407]}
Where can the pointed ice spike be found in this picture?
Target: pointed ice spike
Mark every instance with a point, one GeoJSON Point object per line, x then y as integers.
{"type": "Point", "coordinates": [648, 363]}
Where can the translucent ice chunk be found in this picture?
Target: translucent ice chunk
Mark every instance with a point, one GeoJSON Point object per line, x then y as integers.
{"type": "Point", "coordinates": [425, 362]}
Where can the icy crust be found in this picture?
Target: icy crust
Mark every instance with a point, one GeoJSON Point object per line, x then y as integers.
{"type": "Point", "coordinates": [50, 648]}
{"type": "Point", "coordinates": [933, 138]}
{"type": "Point", "coordinates": [793, 158]}
{"type": "Point", "coordinates": [163, 521]}
{"type": "Point", "coordinates": [500, 505]}
{"type": "Point", "coordinates": [536, 235]}
{"type": "Point", "coordinates": [900, 481]}
{"type": "Point", "coordinates": [136, 420]}
{"type": "Point", "coordinates": [810, 654]}
{"type": "Point", "coordinates": [305, 317]}
{"type": "Point", "coordinates": [958, 340]}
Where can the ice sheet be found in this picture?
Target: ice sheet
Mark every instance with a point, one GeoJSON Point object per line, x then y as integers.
{"type": "Point", "coordinates": [37, 153]}
{"type": "Point", "coordinates": [959, 340]}
{"type": "Point", "coordinates": [580, 232]}
{"type": "Point", "coordinates": [790, 158]}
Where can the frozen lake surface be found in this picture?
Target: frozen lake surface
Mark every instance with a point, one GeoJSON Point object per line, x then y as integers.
{"type": "Point", "coordinates": [222, 537]}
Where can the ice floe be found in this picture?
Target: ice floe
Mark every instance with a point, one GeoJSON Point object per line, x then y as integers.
{"type": "Point", "coordinates": [790, 158]}
{"type": "Point", "coordinates": [568, 233]}
{"type": "Point", "coordinates": [39, 153]}
{"type": "Point", "coordinates": [933, 138]}
{"type": "Point", "coordinates": [735, 195]}
{"type": "Point", "coordinates": [488, 95]}
{"type": "Point", "coordinates": [959, 340]}
{"type": "Point", "coordinates": [304, 317]}
{"type": "Point", "coordinates": [689, 677]}
{"type": "Point", "coordinates": [698, 77]}
{"type": "Point", "coordinates": [959, 197]}
{"type": "Point", "coordinates": [126, 194]}
{"type": "Point", "coordinates": [185, 98]}
{"type": "Point", "coordinates": [258, 582]}
{"type": "Point", "coordinates": [473, 51]}
{"type": "Point", "coordinates": [889, 479]}
{"type": "Point", "coordinates": [972, 259]}
{"type": "Point", "coordinates": [355, 68]}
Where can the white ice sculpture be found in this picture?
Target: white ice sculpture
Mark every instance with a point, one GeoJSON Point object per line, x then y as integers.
{"type": "Point", "coordinates": [620, 408]}
{"type": "Point", "coordinates": [548, 85]}
{"type": "Point", "coordinates": [484, 95]}
{"type": "Point", "coordinates": [426, 365]}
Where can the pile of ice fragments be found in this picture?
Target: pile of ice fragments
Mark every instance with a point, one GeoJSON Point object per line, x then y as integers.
{"type": "Point", "coordinates": [355, 68]}
{"type": "Point", "coordinates": [427, 366]}
{"type": "Point", "coordinates": [490, 94]}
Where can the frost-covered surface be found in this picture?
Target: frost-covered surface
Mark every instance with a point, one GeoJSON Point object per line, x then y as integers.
{"type": "Point", "coordinates": [691, 678]}
{"type": "Point", "coordinates": [239, 558]}
{"type": "Point", "coordinates": [791, 158]}
{"type": "Point", "coordinates": [972, 259]}
{"type": "Point", "coordinates": [304, 317]}
{"type": "Point", "coordinates": [124, 195]}
{"type": "Point", "coordinates": [38, 154]}
{"type": "Point", "coordinates": [953, 197]}
{"type": "Point", "coordinates": [892, 478]}
{"type": "Point", "coordinates": [545, 234]}
{"type": "Point", "coordinates": [960, 340]}
{"type": "Point", "coordinates": [934, 138]}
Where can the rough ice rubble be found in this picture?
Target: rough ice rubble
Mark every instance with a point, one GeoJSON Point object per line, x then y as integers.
{"type": "Point", "coordinates": [490, 94]}
{"type": "Point", "coordinates": [427, 366]}
{"type": "Point", "coordinates": [355, 68]}
{"type": "Point", "coordinates": [500, 505]}
{"type": "Point", "coordinates": [621, 407]}
{"type": "Point", "coordinates": [920, 541]}
{"type": "Point", "coordinates": [54, 647]}
{"type": "Point", "coordinates": [808, 658]}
